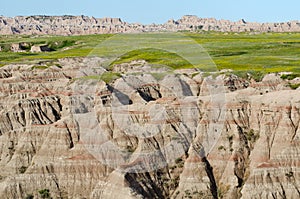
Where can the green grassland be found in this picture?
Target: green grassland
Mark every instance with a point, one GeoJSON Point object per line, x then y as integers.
{"type": "Point", "coordinates": [267, 52]}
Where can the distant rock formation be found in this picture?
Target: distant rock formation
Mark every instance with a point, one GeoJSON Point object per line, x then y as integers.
{"type": "Point", "coordinates": [82, 25]}
{"type": "Point", "coordinates": [211, 24]}
{"type": "Point", "coordinates": [16, 48]}
{"type": "Point", "coordinates": [40, 48]}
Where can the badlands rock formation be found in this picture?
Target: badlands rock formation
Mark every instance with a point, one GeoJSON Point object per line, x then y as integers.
{"type": "Point", "coordinates": [40, 48]}
{"type": "Point", "coordinates": [77, 25]}
{"type": "Point", "coordinates": [70, 136]}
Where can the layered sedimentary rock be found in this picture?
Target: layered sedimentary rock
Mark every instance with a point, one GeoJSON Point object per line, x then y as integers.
{"type": "Point", "coordinates": [72, 136]}
{"type": "Point", "coordinates": [212, 24]}
{"type": "Point", "coordinates": [79, 25]}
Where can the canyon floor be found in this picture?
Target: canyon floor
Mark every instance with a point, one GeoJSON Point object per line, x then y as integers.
{"type": "Point", "coordinates": [156, 115]}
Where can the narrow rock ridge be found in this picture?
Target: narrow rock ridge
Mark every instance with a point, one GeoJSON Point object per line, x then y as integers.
{"type": "Point", "coordinates": [82, 25]}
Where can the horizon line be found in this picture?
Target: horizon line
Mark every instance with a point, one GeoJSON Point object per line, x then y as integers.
{"type": "Point", "coordinates": [122, 19]}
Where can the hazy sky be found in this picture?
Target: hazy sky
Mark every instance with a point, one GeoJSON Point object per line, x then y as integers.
{"type": "Point", "coordinates": [159, 11]}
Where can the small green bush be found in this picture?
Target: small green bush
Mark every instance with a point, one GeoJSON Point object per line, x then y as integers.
{"type": "Point", "coordinates": [290, 76]}
{"type": "Point", "coordinates": [44, 193]}
{"type": "Point", "coordinates": [294, 86]}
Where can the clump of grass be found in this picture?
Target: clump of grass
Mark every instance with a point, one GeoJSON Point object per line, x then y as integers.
{"type": "Point", "coordinates": [39, 67]}
{"type": "Point", "coordinates": [56, 45]}
{"type": "Point", "coordinates": [109, 77]}
{"type": "Point", "coordinates": [159, 76]}
{"type": "Point", "coordinates": [256, 75]}
{"type": "Point", "coordinates": [294, 86]}
{"type": "Point", "coordinates": [252, 136]}
{"type": "Point", "coordinates": [221, 148]}
{"type": "Point", "coordinates": [290, 76]}
{"type": "Point", "coordinates": [44, 193]}
{"type": "Point", "coordinates": [5, 47]}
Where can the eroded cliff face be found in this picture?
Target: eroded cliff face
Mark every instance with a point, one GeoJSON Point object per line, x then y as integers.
{"type": "Point", "coordinates": [143, 137]}
{"type": "Point", "coordinates": [82, 25]}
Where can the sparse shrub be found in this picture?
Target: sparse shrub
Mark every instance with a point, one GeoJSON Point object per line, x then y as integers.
{"type": "Point", "coordinates": [289, 174]}
{"type": "Point", "coordinates": [221, 148]}
{"type": "Point", "coordinates": [130, 149]}
{"type": "Point", "coordinates": [29, 196]}
{"type": "Point", "coordinates": [174, 183]}
{"type": "Point", "coordinates": [222, 190]}
{"type": "Point", "coordinates": [256, 75]}
{"type": "Point", "coordinates": [290, 76]}
{"type": "Point", "coordinates": [294, 86]}
{"type": "Point", "coordinates": [44, 193]}
{"type": "Point", "coordinates": [178, 160]}
{"type": "Point", "coordinates": [230, 138]}
{"type": "Point", "coordinates": [22, 169]}
{"type": "Point", "coordinates": [252, 136]}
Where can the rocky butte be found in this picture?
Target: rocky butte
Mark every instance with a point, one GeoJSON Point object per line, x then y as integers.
{"type": "Point", "coordinates": [78, 25]}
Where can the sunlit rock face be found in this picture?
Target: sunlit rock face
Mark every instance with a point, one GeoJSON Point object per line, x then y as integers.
{"type": "Point", "coordinates": [143, 137]}
{"type": "Point", "coordinates": [82, 25]}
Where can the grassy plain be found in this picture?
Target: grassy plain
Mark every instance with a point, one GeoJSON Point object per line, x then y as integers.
{"type": "Point", "coordinates": [267, 52]}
